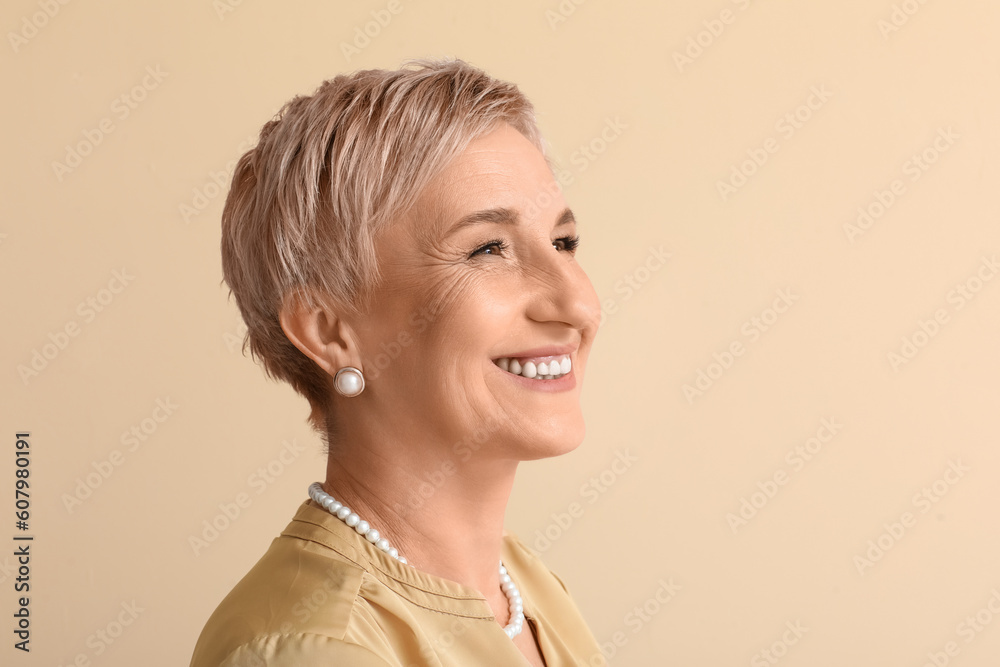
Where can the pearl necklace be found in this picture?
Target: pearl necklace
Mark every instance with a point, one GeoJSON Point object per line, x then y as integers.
{"type": "Point", "coordinates": [365, 529]}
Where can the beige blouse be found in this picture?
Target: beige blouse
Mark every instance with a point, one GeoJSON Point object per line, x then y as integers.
{"type": "Point", "coordinates": [323, 595]}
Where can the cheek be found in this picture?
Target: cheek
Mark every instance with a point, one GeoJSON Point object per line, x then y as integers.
{"type": "Point", "coordinates": [455, 313]}
{"type": "Point", "coordinates": [438, 322]}
{"type": "Point", "coordinates": [448, 293]}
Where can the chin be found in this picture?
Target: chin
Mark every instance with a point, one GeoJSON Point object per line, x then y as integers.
{"type": "Point", "coordinates": [564, 443]}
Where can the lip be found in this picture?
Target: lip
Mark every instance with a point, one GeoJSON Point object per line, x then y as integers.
{"type": "Point", "coordinates": [562, 383]}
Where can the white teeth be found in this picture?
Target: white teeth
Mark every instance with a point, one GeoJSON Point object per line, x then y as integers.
{"type": "Point", "coordinates": [541, 371]}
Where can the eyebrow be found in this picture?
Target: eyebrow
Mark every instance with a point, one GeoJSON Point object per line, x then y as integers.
{"type": "Point", "coordinates": [502, 216]}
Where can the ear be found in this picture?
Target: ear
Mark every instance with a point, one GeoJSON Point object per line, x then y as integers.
{"type": "Point", "coordinates": [318, 332]}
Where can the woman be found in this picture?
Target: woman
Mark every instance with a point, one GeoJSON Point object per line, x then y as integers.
{"type": "Point", "coordinates": [403, 257]}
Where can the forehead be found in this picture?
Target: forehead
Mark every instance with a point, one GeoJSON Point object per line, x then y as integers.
{"type": "Point", "coordinates": [499, 169]}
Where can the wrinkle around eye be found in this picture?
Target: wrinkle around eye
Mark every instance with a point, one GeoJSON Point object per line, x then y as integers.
{"type": "Point", "coordinates": [438, 251]}
{"type": "Point", "coordinates": [451, 289]}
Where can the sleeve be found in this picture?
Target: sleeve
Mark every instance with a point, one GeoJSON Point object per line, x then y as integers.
{"type": "Point", "coordinates": [303, 650]}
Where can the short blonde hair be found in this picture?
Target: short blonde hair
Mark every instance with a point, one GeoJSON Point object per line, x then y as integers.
{"type": "Point", "coordinates": [328, 173]}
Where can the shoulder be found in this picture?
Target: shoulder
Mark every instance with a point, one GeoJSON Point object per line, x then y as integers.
{"type": "Point", "coordinates": [299, 650]}
{"type": "Point", "coordinates": [300, 600]}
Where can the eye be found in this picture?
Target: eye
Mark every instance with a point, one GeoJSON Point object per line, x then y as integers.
{"type": "Point", "coordinates": [570, 243]}
{"type": "Point", "coordinates": [498, 244]}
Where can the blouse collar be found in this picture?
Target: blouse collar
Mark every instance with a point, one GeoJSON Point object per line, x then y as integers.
{"type": "Point", "coordinates": [314, 523]}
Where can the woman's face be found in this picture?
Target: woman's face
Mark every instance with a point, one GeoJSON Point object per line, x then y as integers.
{"type": "Point", "coordinates": [453, 303]}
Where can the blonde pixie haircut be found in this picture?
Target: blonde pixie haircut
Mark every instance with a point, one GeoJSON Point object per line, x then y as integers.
{"type": "Point", "coordinates": [331, 171]}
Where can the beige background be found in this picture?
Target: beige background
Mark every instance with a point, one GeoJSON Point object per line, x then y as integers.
{"type": "Point", "coordinates": [888, 90]}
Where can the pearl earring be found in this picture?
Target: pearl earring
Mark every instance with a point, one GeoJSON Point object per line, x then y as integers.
{"type": "Point", "coordinates": [349, 381]}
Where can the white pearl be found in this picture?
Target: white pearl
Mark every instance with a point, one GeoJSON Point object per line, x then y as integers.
{"type": "Point", "coordinates": [352, 519]}
{"type": "Point", "coordinates": [383, 544]}
{"type": "Point", "coordinates": [372, 536]}
{"type": "Point", "coordinates": [362, 527]}
{"type": "Point", "coordinates": [393, 552]}
{"type": "Point", "coordinates": [343, 512]}
{"type": "Point", "coordinates": [335, 507]}
{"type": "Point", "coordinates": [349, 383]}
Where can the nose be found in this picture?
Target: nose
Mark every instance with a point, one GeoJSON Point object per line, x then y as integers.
{"type": "Point", "coordinates": [561, 291]}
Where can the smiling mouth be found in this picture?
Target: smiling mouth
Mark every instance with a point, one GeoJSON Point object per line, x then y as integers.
{"type": "Point", "coordinates": [537, 368]}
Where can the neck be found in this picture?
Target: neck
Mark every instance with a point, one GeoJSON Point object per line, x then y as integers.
{"type": "Point", "coordinates": [442, 513]}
